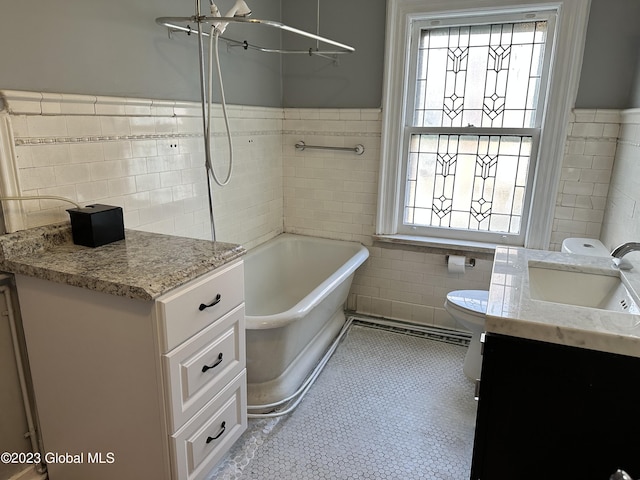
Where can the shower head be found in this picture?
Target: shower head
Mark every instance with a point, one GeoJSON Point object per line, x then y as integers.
{"type": "Point", "coordinates": [239, 9]}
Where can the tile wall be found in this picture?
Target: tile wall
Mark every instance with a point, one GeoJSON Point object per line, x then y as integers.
{"type": "Point", "coordinates": [586, 170]}
{"type": "Point", "coordinates": [622, 213]}
{"type": "Point", "coordinates": [334, 194]}
{"type": "Point", "coordinates": [331, 193]}
{"type": "Point", "coordinates": [147, 156]}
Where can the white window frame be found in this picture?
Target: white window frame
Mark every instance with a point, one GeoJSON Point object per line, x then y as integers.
{"type": "Point", "coordinates": [566, 61]}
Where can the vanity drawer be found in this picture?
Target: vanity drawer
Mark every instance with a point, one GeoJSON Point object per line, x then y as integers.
{"type": "Point", "coordinates": [199, 368]}
{"type": "Point", "coordinates": [190, 308]}
{"type": "Point", "coordinates": [201, 443]}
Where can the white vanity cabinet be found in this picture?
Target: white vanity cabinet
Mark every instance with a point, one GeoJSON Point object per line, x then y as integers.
{"type": "Point", "coordinates": [137, 389]}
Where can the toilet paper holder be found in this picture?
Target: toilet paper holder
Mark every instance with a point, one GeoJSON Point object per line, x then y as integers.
{"type": "Point", "coordinates": [470, 264]}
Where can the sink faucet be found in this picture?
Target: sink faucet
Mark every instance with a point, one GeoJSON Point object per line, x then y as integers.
{"type": "Point", "coordinates": [620, 251]}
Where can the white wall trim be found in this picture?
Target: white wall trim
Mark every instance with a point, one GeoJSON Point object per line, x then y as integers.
{"type": "Point", "coordinates": [14, 215]}
{"type": "Point", "coordinates": [563, 89]}
{"type": "Point", "coordinates": [563, 86]}
{"type": "Point", "coordinates": [631, 115]}
{"type": "Point", "coordinates": [19, 102]}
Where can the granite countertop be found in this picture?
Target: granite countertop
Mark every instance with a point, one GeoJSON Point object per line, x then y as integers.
{"type": "Point", "coordinates": [142, 266]}
{"type": "Point", "coordinates": [512, 311]}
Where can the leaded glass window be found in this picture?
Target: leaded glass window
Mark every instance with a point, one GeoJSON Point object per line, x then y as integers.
{"type": "Point", "coordinates": [471, 182]}
{"type": "Point", "coordinates": [482, 75]}
{"type": "Point", "coordinates": [473, 126]}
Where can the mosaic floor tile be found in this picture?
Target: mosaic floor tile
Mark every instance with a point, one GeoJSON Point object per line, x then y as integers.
{"type": "Point", "coordinates": [386, 406]}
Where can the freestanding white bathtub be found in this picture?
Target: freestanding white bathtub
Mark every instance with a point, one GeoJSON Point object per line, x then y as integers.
{"type": "Point", "coordinates": [295, 290]}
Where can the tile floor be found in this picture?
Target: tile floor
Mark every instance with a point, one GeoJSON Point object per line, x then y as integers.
{"type": "Point", "coordinates": [387, 406]}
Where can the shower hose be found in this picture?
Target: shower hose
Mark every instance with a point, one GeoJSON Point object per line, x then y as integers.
{"type": "Point", "coordinates": [214, 34]}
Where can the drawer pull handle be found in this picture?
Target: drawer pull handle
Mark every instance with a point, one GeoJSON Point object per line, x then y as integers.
{"type": "Point", "coordinates": [215, 302]}
{"type": "Point", "coordinates": [222, 429]}
{"type": "Point", "coordinates": [218, 362]}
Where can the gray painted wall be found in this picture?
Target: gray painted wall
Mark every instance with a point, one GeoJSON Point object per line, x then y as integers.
{"type": "Point", "coordinates": [114, 47]}
{"type": "Point", "coordinates": [610, 61]}
{"type": "Point", "coordinates": [611, 55]}
{"type": "Point", "coordinates": [356, 80]}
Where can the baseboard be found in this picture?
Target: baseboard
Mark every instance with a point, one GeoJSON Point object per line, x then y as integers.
{"type": "Point", "coordinates": [441, 334]}
{"type": "Point", "coordinates": [29, 473]}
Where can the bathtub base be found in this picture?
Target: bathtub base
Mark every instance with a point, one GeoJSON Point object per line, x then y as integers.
{"type": "Point", "coordinates": [295, 291]}
{"type": "Point", "coordinates": [277, 389]}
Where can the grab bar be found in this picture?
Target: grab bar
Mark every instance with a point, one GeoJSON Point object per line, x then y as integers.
{"type": "Point", "coordinates": [358, 149]}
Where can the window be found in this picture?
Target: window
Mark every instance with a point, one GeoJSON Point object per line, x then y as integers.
{"type": "Point", "coordinates": [488, 78]}
{"type": "Point", "coordinates": [464, 135]}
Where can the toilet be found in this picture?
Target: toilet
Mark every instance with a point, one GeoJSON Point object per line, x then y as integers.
{"type": "Point", "coordinates": [585, 246]}
{"type": "Point", "coordinates": [469, 307]}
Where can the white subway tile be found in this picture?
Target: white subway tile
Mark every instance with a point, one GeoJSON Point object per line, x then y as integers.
{"type": "Point", "coordinates": [90, 192]}
{"type": "Point", "coordinates": [134, 166]}
{"type": "Point", "coordinates": [181, 192]}
{"type": "Point", "coordinates": [66, 191]}
{"type": "Point", "coordinates": [106, 170]}
{"type": "Point", "coordinates": [121, 186]}
{"type": "Point", "coordinates": [83, 126]}
{"type": "Point", "coordinates": [19, 125]}
{"type": "Point", "coordinates": [144, 148]}
{"type": "Point", "coordinates": [24, 157]}
{"type": "Point", "coordinates": [147, 182]}
{"type": "Point", "coordinates": [565, 213]}
{"type": "Point", "coordinates": [160, 196]}
{"type": "Point", "coordinates": [85, 152]}
{"type": "Point", "coordinates": [578, 188]}
{"type": "Point", "coordinates": [601, 148]}
{"type": "Point", "coordinates": [55, 154]}
{"type": "Point", "coordinates": [611, 130]}
{"type": "Point", "coordinates": [115, 125]}
{"type": "Point", "coordinates": [35, 178]}
{"type": "Point", "coordinates": [72, 174]}
{"type": "Point", "coordinates": [136, 201]}
{"type": "Point", "coordinates": [47, 126]}
{"type": "Point", "coordinates": [584, 215]}
{"type": "Point", "coordinates": [600, 189]}
{"type": "Point", "coordinates": [595, 176]}
{"type": "Point", "coordinates": [117, 150]}
{"type": "Point", "coordinates": [142, 125]}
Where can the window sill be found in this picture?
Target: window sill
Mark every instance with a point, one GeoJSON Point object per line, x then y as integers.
{"type": "Point", "coordinates": [435, 242]}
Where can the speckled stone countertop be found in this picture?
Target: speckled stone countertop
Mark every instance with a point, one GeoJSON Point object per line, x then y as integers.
{"type": "Point", "coordinates": [512, 311]}
{"type": "Point", "coordinates": [143, 266]}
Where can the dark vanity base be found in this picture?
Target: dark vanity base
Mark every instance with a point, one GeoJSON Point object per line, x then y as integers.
{"type": "Point", "coordinates": [554, 412]}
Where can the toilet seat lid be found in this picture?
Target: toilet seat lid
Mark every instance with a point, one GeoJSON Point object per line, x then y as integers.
{"type": "Point", "coordinates": [473, 301]}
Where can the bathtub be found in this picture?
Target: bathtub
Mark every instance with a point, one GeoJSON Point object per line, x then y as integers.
{"type": "Point", "coordinates": [295, 290]}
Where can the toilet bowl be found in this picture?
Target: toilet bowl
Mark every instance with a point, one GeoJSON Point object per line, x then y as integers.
{"type": "Point", "coordinates": [469, 307]}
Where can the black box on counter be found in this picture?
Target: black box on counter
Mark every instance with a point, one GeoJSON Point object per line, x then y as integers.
{"type": "Point", "coordinates": [96, 225]}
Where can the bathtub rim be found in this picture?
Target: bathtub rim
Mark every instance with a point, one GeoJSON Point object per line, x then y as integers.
{"type": "Point", "coordinates": [304, 306]}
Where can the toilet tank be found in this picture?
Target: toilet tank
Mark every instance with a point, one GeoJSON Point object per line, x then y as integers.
{"type": "Point", "coordinates": [585, 246]}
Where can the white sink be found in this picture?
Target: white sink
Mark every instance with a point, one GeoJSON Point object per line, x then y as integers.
{"type": "Point", "coordinates": [604, 291]}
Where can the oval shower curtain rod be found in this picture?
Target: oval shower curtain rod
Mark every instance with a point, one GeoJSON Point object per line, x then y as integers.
{"type": "Point", "coordinates": [172, 23]}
